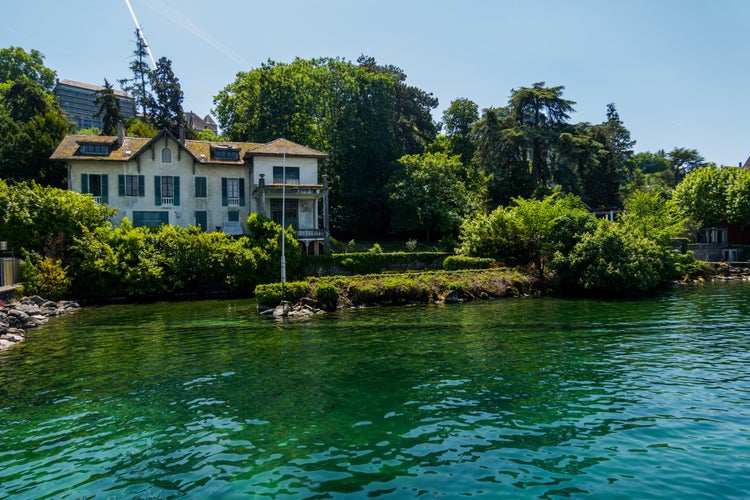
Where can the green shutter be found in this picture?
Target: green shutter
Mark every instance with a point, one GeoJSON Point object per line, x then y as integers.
{"type": "Point", "coordinates": [105, 188]}
{"type": "Point", "coordinates": [141, 185]}
{"type": "Point", "coordinates": [224, 201]}
{"type": "Point", "coordinates": [121, 185]}
{"type": "Point", "coordinates": [84, 183]}
{"type": "Point", "coordinates": [176, 190]}
{"type": "Point", "coordinates": [157, 190]}
{"type": "Point", "coordinates": [242, 192]}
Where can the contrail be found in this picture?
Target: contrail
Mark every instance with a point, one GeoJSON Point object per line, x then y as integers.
{"type": "Point", "coordinates": [140, 34]}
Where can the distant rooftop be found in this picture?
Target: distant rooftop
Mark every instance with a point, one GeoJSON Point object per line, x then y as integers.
{"type": "Point", "coordinates": [92, 87]}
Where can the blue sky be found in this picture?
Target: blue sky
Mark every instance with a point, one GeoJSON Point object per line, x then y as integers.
{"type": "Point", "coordinates": [677, 70]}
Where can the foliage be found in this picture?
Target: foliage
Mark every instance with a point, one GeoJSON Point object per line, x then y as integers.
{"type": "Point", "coordinates": [164, 105]}
{"type": "Point", "coordinates": [529, 232]}
{"type": "Point", "coordinates": [714, 195]}
{"type": "Point", "coordinates": [32, 216]}
{"type": "Point", "coordinates": [44, 276]}
{"type": "Point", "coordinates": [615, 260]}
{"type": "Point", "coordinates": [458, 120]}
{"type": "Point", "coordinates": [363, 116]}
{"type": "Point", "coordinates": [651, 216]}
{"type": "Point", "coordinates": [682, 161]}
{"type": "Point", "coordinates": [139, 128]}
{"type": "Point", "coordinates": [271, 294]}
{"type": "Point", "coordinates": [371, 262]}
{"type": "Point", "coordinates": [18, 65]}
{"type": "Point", "coordinates": [427, 194]}
{"type": "Point", "coordinates": [109, 109]}
{"type": "Point", "coordinates": [266, 234]}
{"type": "Point", "coordinates": [457, 262]}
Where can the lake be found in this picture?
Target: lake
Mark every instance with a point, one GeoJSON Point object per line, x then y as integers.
{"type": "Point", "coordinates": [528, 398]}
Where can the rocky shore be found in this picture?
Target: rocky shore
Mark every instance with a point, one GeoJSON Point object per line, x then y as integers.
{"type": "Point", "coordinates": [29, 312]}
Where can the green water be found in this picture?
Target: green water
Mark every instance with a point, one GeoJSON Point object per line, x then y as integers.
{"type": "Point", "coordinates": [527, 398]}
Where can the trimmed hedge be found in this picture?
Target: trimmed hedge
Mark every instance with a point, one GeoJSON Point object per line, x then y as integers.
{"type": "Point", "coordinates": [384, 289]}
{"type": "Point", "coordinates": [457, 262]}
{"type": "Point", "coordinates": [372, 262]}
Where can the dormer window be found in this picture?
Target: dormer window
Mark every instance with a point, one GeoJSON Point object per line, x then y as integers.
{"type": "Point", "coordinates": [94, 149]}
{"type": "Point", "coordinates": [226, 153]}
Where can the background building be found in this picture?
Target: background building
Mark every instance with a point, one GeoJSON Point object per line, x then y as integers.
{"type": "Point", "coordinates": [77, 100]}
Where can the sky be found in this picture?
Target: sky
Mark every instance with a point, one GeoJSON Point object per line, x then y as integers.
{"type": "Point", "coordinates": [677, 70]}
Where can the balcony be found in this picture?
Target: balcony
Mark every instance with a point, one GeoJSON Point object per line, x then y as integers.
{"type": "Point", "coordinates": [310, 234]}
{"type": "Point", "coordinates": [233, 201]}
{"type": "Point", "coordinates": [167, 200]}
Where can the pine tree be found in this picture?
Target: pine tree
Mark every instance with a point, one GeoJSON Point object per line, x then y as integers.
{"type": "Point", "coordinates": [109, 109]}
{"type": "Point", "coordinates": [137, 86]}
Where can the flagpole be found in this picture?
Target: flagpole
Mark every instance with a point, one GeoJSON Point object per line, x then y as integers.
{"type": "Point", "coordinates": [283, 219]}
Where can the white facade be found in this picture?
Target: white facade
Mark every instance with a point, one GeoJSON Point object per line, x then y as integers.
{"type": "Point", "coordinates": [211, 185]}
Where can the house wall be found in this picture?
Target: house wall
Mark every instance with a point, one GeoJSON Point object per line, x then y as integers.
{"type": "Point", "coordinates": [183, 166]}
{"type": "Point", "coordinates": [149, 165]}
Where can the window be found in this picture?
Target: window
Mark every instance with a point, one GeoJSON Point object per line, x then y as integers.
{"type": "Point", "coordinates": [131, 185]}
{"type": "Point", "coordinates": [166, 155]}
{"type": "Point", "coordinates": [94, 149]}
{"type": "Point", "coordinates": [227, 154]}
{"type": "Point", "coordinates": [201, 219]}
{"type": "Point", "coordinates": [292, 175]}
{"type": "Point", "coordinates": [233, 216]}
{"type": "Point", "coordinates": [232, 192]}
{"type": "Point", "coordinates": [96, 185]}
{"type": "Point", "coordinates": [290, 214]}
{"type": "Point", "coordinates": [150, 219]}
{"type": "Point", "coordinates": [166, 190]}
{"type": "Point", "coordinates": [201, 190]}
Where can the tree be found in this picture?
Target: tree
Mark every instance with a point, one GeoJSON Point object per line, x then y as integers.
{"type": "Point", "coordinates": [31, 128]}
{"type": "Point", "coordinates": [164, 107]}
{"type": "Point", "coordinates": [427, 194]}
{"type": "Point", "coordinates": [109, 109]}
{"type": "Point", "coordinates": [458, 120]}
{"type": "Point", "coordinates": [137, 85]}
{"type": "Point", "coordinates": [538, 113]}
{"type": "Point", "coordinates": [363, 116]}
{"type": "Point", "coordinates": [18, 65]}
{"type": "Point", "coordinates": [683, 160]}
{"type": "Point", "coordinates": [500, 158]}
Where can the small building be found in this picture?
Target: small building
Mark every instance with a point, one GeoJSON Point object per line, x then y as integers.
{"type": "Point", "coordinates": [78, 101]}
{"type": "Point", "coordinates": [211, 185]}
{"type": "Point", "coordinates": [199, 124]}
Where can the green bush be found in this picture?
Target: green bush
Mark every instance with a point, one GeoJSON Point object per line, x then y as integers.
{"type": "Point", "coordinates": [271, 294]}
{"type": "Point", "coordinates": [45, 276]}
{"type": "Point", "coordinates": [457, 262]}
{"type": "Point", "coordinates": [326, 294]}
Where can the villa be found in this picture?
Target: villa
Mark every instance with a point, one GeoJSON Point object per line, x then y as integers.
{"type": "Point", "coordinates": [211, 185]}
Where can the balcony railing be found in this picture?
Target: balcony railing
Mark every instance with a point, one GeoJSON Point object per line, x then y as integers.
{"type": "Point", "coordinates": [311, 234]}
{"type": "Point", "coordinates": [98, 200]}
{"type": "Point", "coordinates": [233, 201]}
{"type": "Point", "coordinates": [167, 200]}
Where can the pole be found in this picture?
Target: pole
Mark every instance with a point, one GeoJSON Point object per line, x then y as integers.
{"type": "Point", "coordinates": [283, 218]}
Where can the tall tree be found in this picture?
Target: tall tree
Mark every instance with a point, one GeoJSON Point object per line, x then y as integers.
{"type": "Point", "coordinates": [427, 194]}
{"type": "Point", "coordinates": [683, 160]}
{"type": "Point", "coordinates": [165, 105]}
{"type": "Point", "coordinates": [539, 113]}
{"type": "Point", "coordinates": [458, 119]}
{"type": "Point", "coordinates": [25, 99]}
{"type": "Point", "coordinates": [137, 84]}
{"type": "Point", "coordinates": [362, 115]}
{"type": "Point", "coordinates": [109, 109]}
{"type": "Point", "coordinates": [18, 65]}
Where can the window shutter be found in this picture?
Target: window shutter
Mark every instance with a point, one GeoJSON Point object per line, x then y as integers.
{"type": "Point", "coordinates": [176, 190]}
{"type": "Point", "coordinates": [121, 185]}
{"type": "Point", "coordinates": [141, 185]}
{"type": "Point", "coordinates": [105, 188]}
{"type": "Point", "coordinates": [242, 192]}
{"type": "Point", "coordinates": [224, 201]}
{"type": "Point", "coordinates": [84, 183]}
{"type": "Point", "coordinates": [157, 190]}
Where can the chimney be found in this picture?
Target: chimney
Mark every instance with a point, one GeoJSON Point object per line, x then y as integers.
{"type": "Point", "coordinates": [120, 133]}
{"type": "Point", "coordinates": [182, 135]}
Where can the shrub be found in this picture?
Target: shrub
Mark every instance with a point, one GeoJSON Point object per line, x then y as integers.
{"type": "Point", "coordinates": [411, 245]}
{"type": "Point", "coordinates": [271, 294]}
{"type": "Point", "coordinates": [327, 294]}
{"type": "Point", "coordinates": [457, 262]}
{"type": "Point", "coordinates": [45, 276]}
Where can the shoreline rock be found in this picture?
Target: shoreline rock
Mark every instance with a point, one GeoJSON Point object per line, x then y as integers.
{"type": "Point", "coordinates": [29, 312]}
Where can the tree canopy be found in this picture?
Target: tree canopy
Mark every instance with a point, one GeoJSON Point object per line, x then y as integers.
{"type": "Point", "coordinates": [17, 65]}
